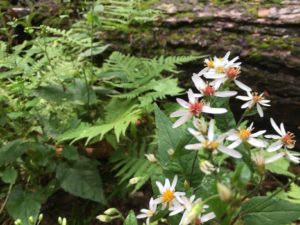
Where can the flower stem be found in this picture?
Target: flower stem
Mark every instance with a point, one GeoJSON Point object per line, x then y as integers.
{"type": "Point", "coordinates": [243, 116]}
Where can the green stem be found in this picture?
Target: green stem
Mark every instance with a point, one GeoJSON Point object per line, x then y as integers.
{"type": "Point", "coordinates": [243, 116]}
{"type": "Point", "coordinates": [6, 199]}
{"type": "Point", "coordinates": [193, 167]}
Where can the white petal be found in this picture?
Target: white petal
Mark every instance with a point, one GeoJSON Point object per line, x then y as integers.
{"type": "Point", "coordinates": [217, 83]}
{"type": "Point", "coordinates": [235, 144]}
{"type": "Point", "coordinates": [141, 216]}
{"type": "Point", "coordinates": [199, 83]}
{"type": "Point", "coordinates": [275, 146]}
{"type": "Point", "coordinates": [160, 187]}
{"type": "Point", "coordinates": [210, 133]}
{"type": "Point", "coordinates": [207, 217]}
{"type": "Point", "coordinates": [259, 110]}
{"type": "Point", "coordinates": [176, 211]}
{"type": "Point", "coordinates": [258, 133]}
{"type": "Point", "coordinates": [292, 158]}
{"type": "Point", "coordinates": [214, 75]}
{"type": "Point", "coordinates": [225, 93]}
{"type": "Point", "coordinates": [243, 98]}
{"type": "Point", "coordinates": [233, 137]}
{"type": "Point", "coordinates": [208, 109]}
{"type": "Point", "coordinates": [196, 134]}
{"type": "Point", "coordinates": [256, 142]}
{"type": "Point", "coordinates": [242, 86]}
{"type": "Point", "coordinates": [273, 136]}
{"type": "Point", "coordinates": [167, 184]}
{"type": "Point", "coordinates": [282, 129]}
{"type": "Point", "coordinates": [145, 211]}
{"type": "Point", "coordinates": [226, 56]}
{"type": "Point", "coordinates": [179, 113]}
{"type": "Point", "coordinates": [174, 182]}
{"type": "Point", "coordinates": [230, 152]}
{"type": "Point", "coordinates": [246, 105]}
{"type": "Point", "coordinates": [193, 146]}
{"type": "Point", "coordinates": [274, 158]}
{"type": "Point", "coordinates": [274, 125]}
{"type": "Point", "coordinates": [182, 120]}
{"type": "Point", "coordinates": [183, 103]}
{"type": "Point", "coordinates": [191, 96]}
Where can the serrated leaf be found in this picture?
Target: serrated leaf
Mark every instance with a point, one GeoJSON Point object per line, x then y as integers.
{"type": "Point", "coordinates": [269, 211]}
{"type": "Point", "coordinates": [81, 179]}
{"type": "Point", "coordinates": [11, 151]}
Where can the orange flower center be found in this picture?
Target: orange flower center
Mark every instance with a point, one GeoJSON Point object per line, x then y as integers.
{"type": "Point", "coordinates": [288, 139]}
{"type": "Point", "coordinates": [208, 90]}
{"type": "Point", "coordinates": [168, 196]}
{"type": "Point", "coordinates": [244, 134]}
{"type": "Point", "coordinates": [256, 98]}
{"type": "Point", "coordinates": [196, 108]}
{"type": "Point", "coordinates": [232, 72]}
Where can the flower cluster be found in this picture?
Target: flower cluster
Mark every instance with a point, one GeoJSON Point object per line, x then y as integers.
{"type": "Point", "coordinates": [176, 202]}
{"type": "Point", "coordinates": [215, 80]}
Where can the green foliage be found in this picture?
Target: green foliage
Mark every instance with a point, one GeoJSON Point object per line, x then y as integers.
{"type": "Point", "coordinates": [82, 179]}
{"type": "Point", "coordinates": [131, 219]}
{"type": "Point", "coordinates": [264, 210]}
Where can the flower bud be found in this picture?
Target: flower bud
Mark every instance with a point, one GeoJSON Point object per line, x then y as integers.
{"type": "Point", "coordinates": [171, 152]}
{"type": "Point", "coordinates": [224, 192]}
{"type": "Point", "coordinates": [64, 221]}
{"type": "Point", "coordinates": [112, 212]}
{"type": "Point", "coordinates": [193, 213]}
{"type": "Point", "coordinates": [206, 167]}
{"type": "Point", "coordinates": [18, 222]}
{"type": "Point", "coordinates": [59, 220]}
{"type": "Point", "coordinates": [151, 157]}
{"type": "Point", "coordinates": [31, 220]}
{"type": "Point", "coordinates": [186, 184]}
{"type": "Point", "coordinates": [104, 218]}
{"type": "Point", "coordinates": [41, 216]}
{"type": "Point", "coordinates": [259, 161]}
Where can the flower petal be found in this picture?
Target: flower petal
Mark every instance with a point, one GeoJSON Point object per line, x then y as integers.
{"type": "Point", "coordinates": [193, 146]}
{"type": "Point", "coordinates": [230, 152]}
{"type": "Point", "coordinates": [256, 142]}
{"type": "Point", "coordinates": [275, 146]}
{"type": "Point", "coordinates": [182, 120]}
{"type": "Point", "coordinates": [183, 103]}
{"type": "Point", "coordinates": [258, 133]}
{"type": "Point", "coordinates": [274, 125]}
{"type": "Point", "coordinates": [235, 144]}
{"type": "Point", "coordinates": [225, 93]}
{"type": "Point", "coordinates": [207, 217]}
{"type": "Point", "coordinates": [210, 133]}
{"type": "Point", "coordinates": [199, 83]}
{"type": "Point", "coordinates": [260, 110]}
{"type": "Point", "coordinates": [179, 113]}
{"type": "Point", "coordinates": [242, 86]}
{"type": "Point", "coordinates": [274, 158]}
{"type": "Point", "coordinates": [208, 109]}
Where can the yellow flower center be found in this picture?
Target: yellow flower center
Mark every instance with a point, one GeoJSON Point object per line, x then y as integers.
{"type": "Point", "coordinates": [244, 134]}
{"type": "Point", "coordinates": [212, 145]}
{"type": "Point", "coordinates": [168, 196]}
{"type": "Point", "coordinates": [256, 98]}
{"type": "Point", "coordinates": [210, 63]}
{"type": "Point", "coordinates": [150, 213]}
{"type": "Point", "coordinates": [220, 69]}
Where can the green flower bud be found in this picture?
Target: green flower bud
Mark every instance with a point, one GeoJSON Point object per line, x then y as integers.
{"type": "Point", "coordinates": [18, 222]}
{"type": "Point", "coordinates": [104, 218]}
{"type": "Point", "coordinates": [171, 152]}
{"type": "Point", "coordinates": [59, 220]}
{"type": "Point", "coordinates": [112, 212]}
{"type": "Point", "coordinates": [31, 220]}
{"type": "Point", "coordinates": [41, 216]}
{"type": "Point", "coordinates": [64, 221]}
{"type": "Point", "coordinates": [224, 192]}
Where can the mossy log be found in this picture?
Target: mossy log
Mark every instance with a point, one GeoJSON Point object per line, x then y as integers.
{"type": "Point", "coordinates": [267, 38]}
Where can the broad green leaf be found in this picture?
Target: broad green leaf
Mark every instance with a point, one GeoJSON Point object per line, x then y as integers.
{"type": "Point", "coordinates": [9, 175]}
{"type": "Point", "coordinates": [82, 179]}
{"type": "Point", "coordinates": [22, 205]}
{"type": "Point", "coordinates": [11, 151]}
{"type": "Point", "coordinates": [168, 137]}
{"type": "Point", "coordinates": [293, 195]}
{"type": "Point", "coordinates": [241, 175]}
{"type": "Point", "coordinates": [268, 211]}
{"type": "Point", "coordinates": [130, 219]}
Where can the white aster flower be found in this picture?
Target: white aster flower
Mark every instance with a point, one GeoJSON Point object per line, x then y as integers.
{"type": "Point", "coordinates": [169, 196]}
{"type": "Point", "coordinates": [246, 135]}
{"type": "Point", "coordinates": [186, 205]}
{"type": "Point", "coordinates": [284, 139]}
{"type": "Point", "coordinates": [222, 70]}
{"type": "Point", "coordinates": [210, 89]}
{"type": "Point", "coordinates": [193, 108]}
{"type": "Point", "coordinates": [254, 99]}
{"type": "Point", "coordinates": [211, 143]}
{"type": "Point", "coordinates": [148, 213]}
